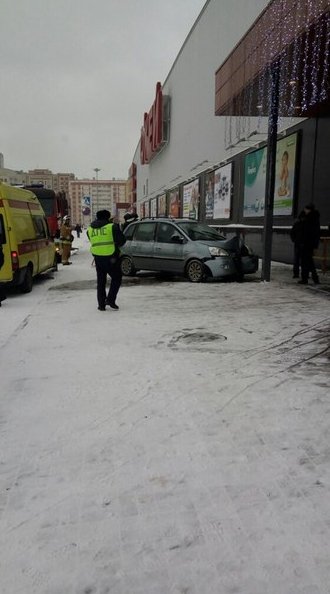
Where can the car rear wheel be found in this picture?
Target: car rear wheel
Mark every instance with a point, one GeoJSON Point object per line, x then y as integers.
{"type": "Point", "coordinates": [127, 266]}
{"type": "Point", "coordinates": [26, 286]}
{"type": "Point", "coordinates": [195, 271]}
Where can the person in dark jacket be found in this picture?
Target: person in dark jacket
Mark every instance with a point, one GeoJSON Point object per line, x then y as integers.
{"type": "Point", "coordinates": [129, 217]}
{"type": "Point", "coordinates": [78, 229]}
{"type": "Point", "coordinates": [106, 238]}
{"type": "Point", "coordinates": [309, 241]}
{"type": "Point", "coordinates": [296, 237]}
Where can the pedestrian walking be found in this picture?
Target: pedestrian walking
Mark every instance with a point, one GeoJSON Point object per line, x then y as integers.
{"type": "Point", "coordinates": [296, 237]}
{"type": "Point", "coordinates": [66, 240]}
{"type": "Point", "coordinates": [106, 238]}
{"type": "Point", "coordinates": [310, 238]}
{"type": "Point", "coordinates": [78, 229]}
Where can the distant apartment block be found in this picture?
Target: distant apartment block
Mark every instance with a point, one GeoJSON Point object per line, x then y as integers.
{"type": "Point", "coordinates": [59, 182]}
{"type": "Point", "coordinates": [12, 177]}
{"type": "Point", "coordinates": [87, 196]}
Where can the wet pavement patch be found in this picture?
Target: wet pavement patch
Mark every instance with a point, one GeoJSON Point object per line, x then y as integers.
{"type": "Point", "coordinates": [81, 285]}
{"type": "Point", "coordinates": [196, 339]}
{"type": "Point", "coordinates": [200, 337]}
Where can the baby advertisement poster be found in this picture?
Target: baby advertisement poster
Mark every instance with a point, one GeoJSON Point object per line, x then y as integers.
{"type": "Point", "coordinates": [255, 179]}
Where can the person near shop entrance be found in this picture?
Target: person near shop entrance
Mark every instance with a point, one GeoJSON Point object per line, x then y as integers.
{"type": "Point", "coordinates": [66, 240]}
{"type": "Point", "coordinates": [106, 238]}
{"type": "Point", "coordinates": [310, 238]}
{"type": "Point", "coordinates": [296, 237]}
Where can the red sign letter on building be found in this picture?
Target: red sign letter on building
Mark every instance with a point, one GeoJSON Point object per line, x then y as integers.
{"type": "Point", "coordinates": [152, 131]}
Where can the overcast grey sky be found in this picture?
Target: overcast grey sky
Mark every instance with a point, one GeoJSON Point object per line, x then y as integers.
{"type": "Point", "coordinates": [78, 75]}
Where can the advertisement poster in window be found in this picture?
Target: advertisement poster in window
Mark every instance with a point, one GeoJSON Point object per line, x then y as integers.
{"type": "Point", "coordinates": [222, 192]}
{"type": "Point", "coordinates": [254, 183]}
{"type": "Point", "coordinates": [286, 153]}
{"type": "Point", "coordinates": [209, 195]}
{"type": "Point", "coordinates": [162, 205]}
{"type": "Point", "coordinates": [255, 179]}
{"type": "Point", "coordinates": [147, 209]}
{"type": "Point", "coordinates": [86, 204]}
{"type": "Point", "coordinates": [153, 207]}
{"type": "Point", "coordinates": [190, 199]}
{"type": "Point", "coordinates": [174, 204]}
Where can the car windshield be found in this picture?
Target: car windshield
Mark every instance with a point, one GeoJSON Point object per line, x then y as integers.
{"type": "Point", "coordinates": [199, 231]}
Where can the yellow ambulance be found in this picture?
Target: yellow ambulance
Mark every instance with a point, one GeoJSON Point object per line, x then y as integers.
{"type": "Point", "coordinates": [24, 235]}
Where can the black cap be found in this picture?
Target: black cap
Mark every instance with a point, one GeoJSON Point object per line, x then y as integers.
{"type": "Point", "coordinates": [103, 215]}
{"type": "Point", "coordinates": [130, 215]}
{"type": "Point", "coordinates": [310, 206]}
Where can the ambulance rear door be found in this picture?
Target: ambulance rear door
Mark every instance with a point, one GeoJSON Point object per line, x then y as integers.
{"type": "Point", "coordinates": [6, 272]}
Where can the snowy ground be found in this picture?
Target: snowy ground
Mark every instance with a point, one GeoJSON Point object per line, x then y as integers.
{"type": "Point", "coordinates": [178, 446]}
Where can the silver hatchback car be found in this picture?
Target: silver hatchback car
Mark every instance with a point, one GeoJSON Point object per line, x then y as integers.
{"type": "Point", "coordinates": [184, 247]}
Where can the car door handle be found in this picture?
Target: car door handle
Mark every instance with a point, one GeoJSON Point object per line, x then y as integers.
{"type": "Point", "coordinates": [158, 248]}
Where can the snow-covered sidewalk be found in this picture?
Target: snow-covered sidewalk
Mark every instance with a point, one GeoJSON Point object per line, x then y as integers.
{"type": "Point", "coordinates": [180, 445]}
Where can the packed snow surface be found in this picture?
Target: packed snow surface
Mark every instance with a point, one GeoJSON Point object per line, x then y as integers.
{"type": "Point", "coordinates": [178, 446]}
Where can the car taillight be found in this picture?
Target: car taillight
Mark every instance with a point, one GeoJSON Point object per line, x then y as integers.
{"type": "Point", "coordinates": [14, 260]}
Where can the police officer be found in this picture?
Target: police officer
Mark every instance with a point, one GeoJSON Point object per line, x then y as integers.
{"type": "Point", "coordinates": [106, 238]}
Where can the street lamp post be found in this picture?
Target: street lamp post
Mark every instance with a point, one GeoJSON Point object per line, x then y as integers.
{"type": "Point", "coordinates": [96, 169]}
{"type": "Point", "coordinates": [270, 171]}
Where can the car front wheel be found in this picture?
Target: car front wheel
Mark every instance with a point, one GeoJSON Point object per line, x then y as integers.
{"type": "Point", "coordinates": [127, 266]}
{"type": "Point", "coordinates": [195, 271]}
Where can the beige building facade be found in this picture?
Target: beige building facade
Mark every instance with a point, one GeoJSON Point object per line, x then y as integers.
{"type": "Point", "coordinates": [87, 196]}
{"type": "Point", "coordinates": [12, 177]}
{"type": "Point", "coordinates": [59, 182]}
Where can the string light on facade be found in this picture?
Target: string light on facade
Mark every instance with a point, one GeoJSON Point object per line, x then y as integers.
{"type": "Point", "coordinates": [326, 61]}
{"type": "Point", "coordinates": [285, 63]}
{"type": "Point", "coordinates": [303, 33]}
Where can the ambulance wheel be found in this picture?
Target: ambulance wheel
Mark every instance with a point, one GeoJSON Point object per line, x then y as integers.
{"type": "Point", "coordinates": [26, 286]}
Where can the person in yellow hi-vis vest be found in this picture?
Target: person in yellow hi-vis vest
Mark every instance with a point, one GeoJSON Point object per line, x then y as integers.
{"type": "Point", "coordinates": [106, 238]}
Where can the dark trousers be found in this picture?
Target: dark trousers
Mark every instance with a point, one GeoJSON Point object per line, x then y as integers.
{"type": "Point", "coordinates": [107, 265]}
{"type": "Point", "coordinates": [297, 259]}
{"type": "Point", "coordinates": [2, 294]}
{"type": "Point", "coordinates": [307, 264]}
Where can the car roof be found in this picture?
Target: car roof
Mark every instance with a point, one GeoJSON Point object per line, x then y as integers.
{"type": "Point", "coordinates": [166, 220]}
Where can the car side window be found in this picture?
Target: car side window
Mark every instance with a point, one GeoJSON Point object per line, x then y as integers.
{"type": "Point", "coordinates": [165, 232]}
{"type": "Point", "coordinates": [129, 232]}
{"type": "Point", "coordinates": [39, 227]}
{"type": "Point", "coordinates": [145, 232]}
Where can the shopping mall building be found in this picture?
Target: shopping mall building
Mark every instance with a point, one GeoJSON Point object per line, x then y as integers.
{"type": "Point", "coordinates": [204, 146]}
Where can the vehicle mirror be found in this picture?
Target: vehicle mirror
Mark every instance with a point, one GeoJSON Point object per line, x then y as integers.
{"type": "Point", "coordinates": [177, 238]}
